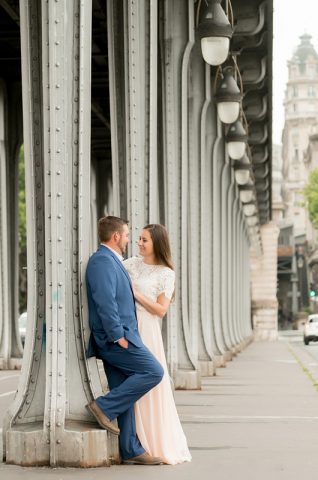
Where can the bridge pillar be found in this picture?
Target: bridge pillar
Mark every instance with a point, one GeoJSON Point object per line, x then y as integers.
{"type": "Point", "coordinates": [264, 279]}
{"type": "Point", "coordinates": [47, 424]}
{"type": "Point", "coordinates": [10, 141]}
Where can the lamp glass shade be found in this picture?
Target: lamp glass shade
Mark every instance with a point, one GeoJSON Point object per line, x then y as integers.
{"type": "Point", "coordinates": [215, 50]}
{"type": "Point", "coordinates": [242, 176]}
{"type": "Point", "coordinates": [236, 149]}
{"type": "Point", "coordinates": [249, 209]}
{"type": "Point", "coordinates": [228, 111]}
{"type": "Point", "coordinates": [246, 196]}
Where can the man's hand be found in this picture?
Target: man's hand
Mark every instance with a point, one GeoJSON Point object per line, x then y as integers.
{"type": "Point", "coordinates": [123, 342]}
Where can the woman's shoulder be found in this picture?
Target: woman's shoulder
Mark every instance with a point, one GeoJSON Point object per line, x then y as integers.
{"type": "Point", "coordinates": [167, 272]}
{"type": "Point", "coordinates": [131, 262]}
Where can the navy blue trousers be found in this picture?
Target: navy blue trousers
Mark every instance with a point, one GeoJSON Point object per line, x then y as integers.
{"type": "Point", "coordinates": [131, 373]}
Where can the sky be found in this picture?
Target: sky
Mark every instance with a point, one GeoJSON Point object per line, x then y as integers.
{"type": "Point", "coordinates": [291, 19]}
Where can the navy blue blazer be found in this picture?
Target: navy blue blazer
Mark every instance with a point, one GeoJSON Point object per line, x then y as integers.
{"type": "Point", "coordinates": [111, 304]}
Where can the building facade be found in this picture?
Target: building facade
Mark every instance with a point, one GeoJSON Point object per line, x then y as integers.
{"type": "Point", "coordinates": [299, 159]}
{"type": "Point", "coordinates": [301, 116]}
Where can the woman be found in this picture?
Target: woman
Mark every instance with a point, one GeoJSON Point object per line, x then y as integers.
{"type": "Point", "coordinates": [153, 278]}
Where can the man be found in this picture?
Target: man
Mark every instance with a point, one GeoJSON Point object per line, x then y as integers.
{"type": "Point", "coordinates": [130, 367]}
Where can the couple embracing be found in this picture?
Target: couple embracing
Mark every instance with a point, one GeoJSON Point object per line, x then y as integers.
{"type": "Point", "coordinates": [127, 300]}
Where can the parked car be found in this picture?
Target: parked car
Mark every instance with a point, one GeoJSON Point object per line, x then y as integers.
{"type": "Point", "coordinates": [311, 329]}
{"type": "Point", "coordinates": [22, 326]}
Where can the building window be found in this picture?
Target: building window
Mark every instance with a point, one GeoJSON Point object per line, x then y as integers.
{"type": "Point", "coordinates": [311, 70]}
{"type": "Point", "coordinates": [295, 91]}
{"type": "Point", "coordinates": [294, 107]}
{"type": "Point", "coordinates": [311, 91]}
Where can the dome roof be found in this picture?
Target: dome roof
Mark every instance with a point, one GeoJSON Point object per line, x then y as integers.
{"type": "Point", "coordinates": [305, 49]}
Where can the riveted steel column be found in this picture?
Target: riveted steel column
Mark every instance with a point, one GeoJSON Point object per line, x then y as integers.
{"type": "Point", "coordinates": [133, 107]}
{"type": "Point", "coordinates": [246, 287]}
{"type": "Point", "coordinates": [208, 134]}
{"type": "Point", "coordinates": [225, 182]}
{"type": "Point", "coordinates": [232, 238]}
{"type": "Point", "coordinates": [10, 140]}
{"type": "Point", "coordinates": [117, 93]}
{"type": "Point", "coordinates": [218, 162]}
{"type": "Point", "coordinates": [47, 424]}
{"type": "Point", "coordinates": [191, 190]}
{"type": "Point", "coordinates": [137, 97]}
{"type": "Point", "coordinates": [178, 41]}
{"type": "Point", "coordinates": [238, 274]}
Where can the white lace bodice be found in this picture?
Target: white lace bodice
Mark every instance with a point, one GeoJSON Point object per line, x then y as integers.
{"type": "Point", "coordinates": [151, 280]}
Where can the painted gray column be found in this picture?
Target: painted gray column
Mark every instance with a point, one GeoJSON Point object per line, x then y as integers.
{"type": "Point", "coordinates": [218, 161]}
{"type": "Point", "coordinates": [240, 275]}
{"type": "Point", "coordinates": [208, 134]}
{"type": "Point", "coordinates": [230, 263]}
{"type": "Point", "coordinates": [225, 182]}
{"type": "Point", "coordinates": [47, 424]}
{"type": "Point", "coordinates": [10, 140]}
{"type": "Point", "coordinates": [197, 251]}
{"type": "Point", "coordinates": [178, 41]}
{"type": "Point", "coordinates": [133, 58]}
{"type": "Point", "coordinates": [246, 320]}
{"type": "Point", "coordinates": [233, 239]}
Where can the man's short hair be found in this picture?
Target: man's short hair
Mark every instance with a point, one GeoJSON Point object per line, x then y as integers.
{"type": "Point", "coordinates": [109, 225]}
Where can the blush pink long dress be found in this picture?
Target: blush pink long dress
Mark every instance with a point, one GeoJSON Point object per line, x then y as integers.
{"type": "Point", "coordinates": [157, 421]}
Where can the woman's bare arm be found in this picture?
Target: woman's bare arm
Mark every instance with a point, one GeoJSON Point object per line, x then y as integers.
{"type": "Point", "coordinates": [158, 308]}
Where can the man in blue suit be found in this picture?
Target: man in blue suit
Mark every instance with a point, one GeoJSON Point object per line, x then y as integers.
{"type": "Point", "coordinates": [130, 367]}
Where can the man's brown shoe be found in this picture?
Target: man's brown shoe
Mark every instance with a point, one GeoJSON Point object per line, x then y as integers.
{"type": "Point", "coordinates": [143, 459]}
{"type": "Point", "coordinates": [101, 418]}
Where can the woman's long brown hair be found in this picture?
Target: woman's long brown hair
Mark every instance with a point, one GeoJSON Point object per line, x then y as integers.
{"type": "Point", "coordinates": [161, 244]}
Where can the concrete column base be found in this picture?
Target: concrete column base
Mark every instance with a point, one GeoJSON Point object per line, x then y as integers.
{"type": "Point", "coordinates": [11, 364]}
{"type": "Point", "coordinates": [219, 361]}
{"type": "Point", "coordinates": [79, 445]}
{"type": "Point", "coordinates": [228, 356]}
{"type": "Point", "coordinates": [187, 380]}
{"type": "Point", "coordinates": [207, 368]}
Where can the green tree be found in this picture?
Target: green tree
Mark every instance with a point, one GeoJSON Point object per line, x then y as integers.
{"type": "Point", "coordinates": [22, 236]}
{"type": "Point", "coordinates": [311, 197]}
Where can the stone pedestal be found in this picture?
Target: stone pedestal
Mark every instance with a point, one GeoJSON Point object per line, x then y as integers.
{"type": "Point", "coordinates": [264, 285]}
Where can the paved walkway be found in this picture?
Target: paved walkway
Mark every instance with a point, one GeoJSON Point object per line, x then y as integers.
{"type": "Point", "coordinates": [257, 419]}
